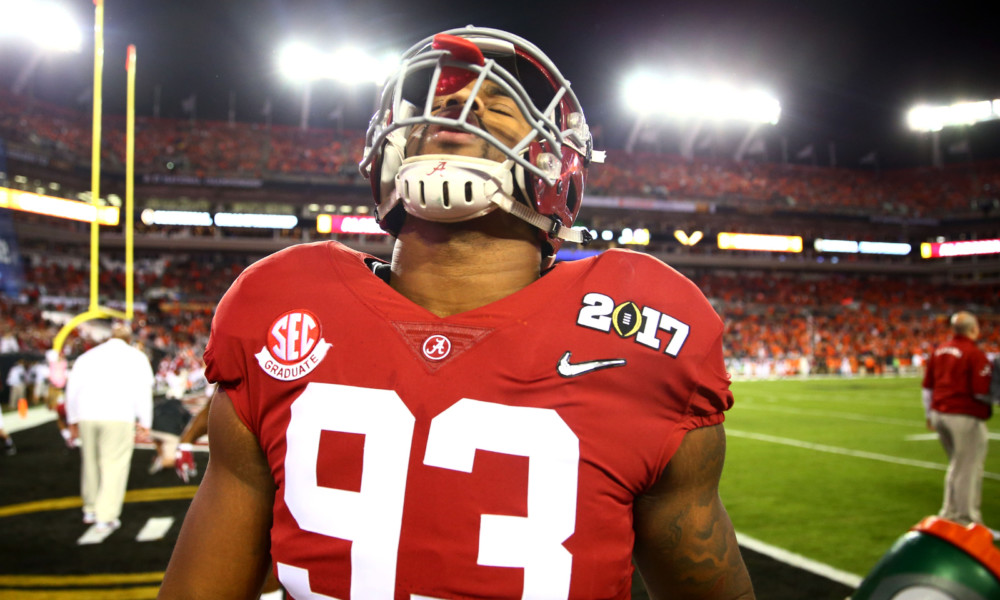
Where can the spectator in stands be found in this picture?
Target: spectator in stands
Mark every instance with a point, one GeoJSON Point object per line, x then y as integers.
{"type": "Point", "coordinates": [956, 400]}
{"type": "Point", "coordinates": [109, 388]}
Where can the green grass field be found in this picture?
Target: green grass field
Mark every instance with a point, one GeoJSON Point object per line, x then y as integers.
{"type": "Point", "coordinates": [794, 477]}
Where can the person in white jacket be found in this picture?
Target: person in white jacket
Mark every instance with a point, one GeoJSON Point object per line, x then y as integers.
{"type": "Point", "coordinates": [110, 387]}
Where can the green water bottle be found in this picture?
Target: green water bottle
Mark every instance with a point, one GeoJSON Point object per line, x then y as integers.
{"type": "Point", "coordinates": [936, 560]}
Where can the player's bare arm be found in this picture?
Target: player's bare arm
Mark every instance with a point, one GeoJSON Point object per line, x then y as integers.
{"type": "Point", "coordinates": [685, 546]}
{"type": "Point", "coordinates": [223, 549]}
{"type": "Point", "coordinates": [198, 425]}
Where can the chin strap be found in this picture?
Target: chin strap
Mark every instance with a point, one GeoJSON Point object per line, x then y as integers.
{"type": "Point", "coordinates": [551, 226]}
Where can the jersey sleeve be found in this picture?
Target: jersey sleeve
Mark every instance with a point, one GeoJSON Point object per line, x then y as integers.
{"type": "Point", "coordinates": [711, 396]}
{"type": "Point", "coordinates": [225, 355]}
{"type": "Point", "coordinates": [694, 385]}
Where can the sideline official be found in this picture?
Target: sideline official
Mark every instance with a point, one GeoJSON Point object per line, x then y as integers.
{"type": "Point", "coordinates": [109, 388]}
{"type": "Point", "coordinates": [956, 399]}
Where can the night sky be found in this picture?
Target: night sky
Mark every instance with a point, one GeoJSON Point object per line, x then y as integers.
{"type": "Point", "coordinates": [845, 71]}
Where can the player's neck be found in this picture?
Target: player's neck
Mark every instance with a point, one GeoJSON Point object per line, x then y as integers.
{"type": "Point", "coordinates": [454, 268]}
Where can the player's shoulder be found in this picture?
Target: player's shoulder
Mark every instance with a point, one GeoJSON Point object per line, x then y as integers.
{"type": "Point", "coordinates": [643, 264]}
{"type": "Point", "coordinates": [289, 275]}
{"type": "Point", "coordinates": [643, 276]}
{"type": "Point", "coordinates": [626, 288]}
{"type": "Point", "coordinates": [291, 266]}
{"type": "Point", "coordinates": [298, 258]}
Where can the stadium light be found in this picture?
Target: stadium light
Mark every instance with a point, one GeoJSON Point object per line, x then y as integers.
{"type": "Point", "coordinates": [759, 242]}
{"type": "Point", "coordinates": [57, 207]}
{"type": "Point", "coordinates": [935, 118]}
{"type": "Point", "coordinates": [48, 25]}
{"type": "Point", "coordinates": [175, 217]}
{"type": "Point", "coordinates": [688, 240]}
{"type": "Point", "coordinates": [960, 248]}
{"type": "Point", "coordinates": [327, 223]}
{"type": "Point", "coordinates": [689, 98]}
{"type": "Point", "coordinates": [259, 221]}
{"type": "Point", "coordinates": [348, 64]}
{"type": "Point", "coordinates": [852, 247]}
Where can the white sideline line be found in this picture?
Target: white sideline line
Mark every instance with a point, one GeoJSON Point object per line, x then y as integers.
{"type": "Point", "coordinates": [847, 452]}
{"type": "Point", "coordinates": [799, 561]}
{"type": "Point", "coordinates": [828, 377]}
{"type": "Point", "coordinates": [835, 415]}
{"type": "Point", "coordinates": [93, 536]}
{"type": "Point", "coordinates": [924, 437]}
{"type": "Point", "coordinates": [154, 529]}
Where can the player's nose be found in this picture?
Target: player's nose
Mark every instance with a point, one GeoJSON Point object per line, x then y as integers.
{"type": "Point", "coordinates": [460, 98]}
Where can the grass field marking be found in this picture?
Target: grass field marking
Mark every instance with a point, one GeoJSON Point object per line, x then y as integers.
{"type": "Point", "coordinates": [846, 451]}
{"type": "Point", "coordinates": [180, 492]}
{"type": "Point", "coordinates": [925, 437]}
{"type": "Point", "coordinates": [40, 506]}
{"type": "Point", "coordinates": [37, 415]}
{"type": "Point", "coordinates": [836, 389]}
{"type": "Point", "coordinates": [833, 414]}
{"type": "Point", "coordinates": [93, 536]}
{"type": "Point", "coordinates": [132, 593]}
{"type": "Point", "coordinates": [9, 581]}
{"type": "Point", "coordinates": [825, 397]}
{"type": "Point", "coordinates": [799, 561]}
{"type": "Point", "coordinates": [837, 377]}
{"type": "Point", "coordinates": [154, 529]}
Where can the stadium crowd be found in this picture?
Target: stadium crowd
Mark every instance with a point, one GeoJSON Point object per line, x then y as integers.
{"type": "Point", "coordinates": [777, 324]}
{"type": "Point", "coordinates": [200, 149]}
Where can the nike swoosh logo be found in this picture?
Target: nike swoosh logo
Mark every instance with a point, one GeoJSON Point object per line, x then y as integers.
{"type": "Point", "coordinates": [568, 369]}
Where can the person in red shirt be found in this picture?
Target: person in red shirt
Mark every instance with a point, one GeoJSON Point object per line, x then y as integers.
{"type": "Point", "coordinates": [957, 403]}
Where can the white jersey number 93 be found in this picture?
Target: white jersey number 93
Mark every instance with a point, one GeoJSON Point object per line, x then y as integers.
{"type": "Point", "coordinates": [372, 517]}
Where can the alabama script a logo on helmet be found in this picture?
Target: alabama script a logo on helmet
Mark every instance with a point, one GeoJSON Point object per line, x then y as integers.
{"type": "Point", "coordinates": [294, 346]}
{"type": "Point", "coordinates": [438, 168]}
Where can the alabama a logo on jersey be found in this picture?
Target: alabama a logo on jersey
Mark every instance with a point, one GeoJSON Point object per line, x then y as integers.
{"type": "Point", "coordinates": [294, 346]}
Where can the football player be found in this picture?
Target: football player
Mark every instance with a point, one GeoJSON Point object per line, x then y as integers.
{"type": "Point", "coordinates": [467, 420]}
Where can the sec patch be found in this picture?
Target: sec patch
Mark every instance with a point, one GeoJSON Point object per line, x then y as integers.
{"type": "Point", "coordinates": [294, 346]}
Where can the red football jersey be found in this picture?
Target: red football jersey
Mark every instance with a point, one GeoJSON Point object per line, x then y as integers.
{"type": "Point", "coordinates": [956, 372]}
{"type": "Point", "coordinates": [494, 453]}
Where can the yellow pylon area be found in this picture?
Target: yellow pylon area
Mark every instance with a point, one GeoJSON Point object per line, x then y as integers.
{"type": "Point", "coordinates": [95, 310]}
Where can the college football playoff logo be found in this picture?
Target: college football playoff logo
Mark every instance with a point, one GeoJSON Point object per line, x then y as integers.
{"type": "Point", "coordinates": [294, 346]}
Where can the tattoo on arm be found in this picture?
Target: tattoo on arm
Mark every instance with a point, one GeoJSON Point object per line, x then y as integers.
{"type": "Point", "coordinates": [685, 543]}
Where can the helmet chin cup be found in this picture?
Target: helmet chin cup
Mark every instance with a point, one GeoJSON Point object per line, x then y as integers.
{"type": "Point", "coordinates": [445, 188]}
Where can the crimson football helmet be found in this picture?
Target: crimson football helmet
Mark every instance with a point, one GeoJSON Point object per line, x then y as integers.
{"type": "Point", "coordinates": [542, 179]}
